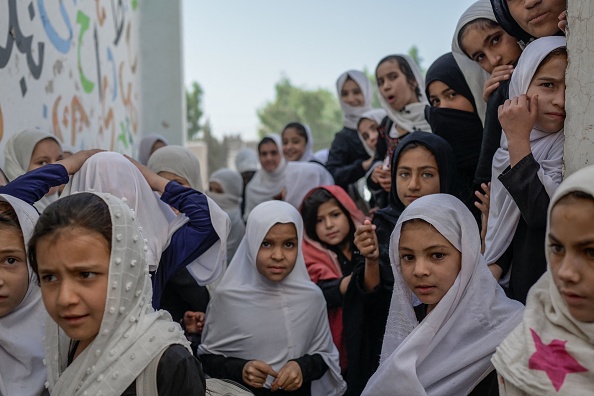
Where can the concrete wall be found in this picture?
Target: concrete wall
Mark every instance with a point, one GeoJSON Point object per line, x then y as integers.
{"type": "Point", "coordinates": [75, 68]}
{"type": "Point", "coordinates": [579, 102]}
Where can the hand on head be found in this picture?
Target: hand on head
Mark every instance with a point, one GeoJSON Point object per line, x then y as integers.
{"type": "Point", "coordinates": [76, 161]}
{"type": "Point", "coordinates": [156, 182]}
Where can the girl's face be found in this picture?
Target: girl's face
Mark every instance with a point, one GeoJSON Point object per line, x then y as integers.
{"type": "Point", "coordinates": [215, 187]}
{"type": "Point", "coordinates": [417, 175]}
{"type": "Point", "coordinates": [293, 144]}
{"type": "Point", "coordinates": [73, 273]}
{"type": "Point", "coordinates": [549, 84]}
{"type": "Point", "coordinates": [442, 96]}
{"type": "Point", "coordinates": [571, 255]}
{"type": "Point", "coordinates": [351, 94]}
{"type": "Point", "coordinates": [269, 156]}
{"type": "Point", "coordinates": [393, 85]}
{"type": "Point", "coordinates": [490, 47]}
{"type": "Point", "coordinates": [332, 224]}
{"type": "Point", "coordinates": [157, 145]}
{"type": "Point", "coordinates": [14, 274]}
{"type": "Point", "coordinates": [368, 131]}
{"type": "Point", "coordinates": [429, 262]}
{"type": "Point", "coordinates": [45, 152]}
{"type": "Point", "coordinates": [176, 178]}
{"type": "Point", "coordinates": [539, 18]}
{"type": "Point", "coordinates": [278, 252]}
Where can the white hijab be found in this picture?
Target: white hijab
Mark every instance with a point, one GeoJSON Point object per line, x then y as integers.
{"type": "Point", "coordinates": [21, 331]}
{"type": "Point", "coordinates": [449, 352]}
{"type": "Point", "coordinates": [547, 318]}
{"type": "Point", "coordinates": [247, 160]}
{"type": "Point", "coordinates": [17, 155]}
{"type": "Point", "coordinates": [474, 74]}
{"type": "Point", "coordinates": [131, 332]}
{"type": "Point", "coordinates": [547, 149]}
{"type": "Point", "coordinates": [229, 201]}
{"type": "Point", "coordinates": [112, 173]}
{"type": "Point", "coordinates": [250, 317]}
{"type": "Point", "coordinates": [351, 114]}
{"type": "Point", "coordinates": [178, 160]}
{"type": "Point", "coordinates": [412, 117]}
{"type": "Point", "coordinates": [376, 115]}
{"type": "Point", "coordinates": [146, 145]}
{"type": "Point", "coordinates": [265, 185]}
{"type": "Point", "coordinates": [301, 177]}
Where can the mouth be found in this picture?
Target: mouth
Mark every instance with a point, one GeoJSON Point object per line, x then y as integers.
{"type": "Point", "coordinates": [276, 270]}
{"type": "Point", "coordinates": [332, 235]}
{"type": "Point", "coordinates": [537, 18]}
{"type": "Point", "coordinates": [411, 197]}
{"type": "Point", "coordinates": [73, 319]}
{"type": "Point", "coordinates": [391, 98]}
{"type": "Point", "coordinates": [571, 297]}
{"type": "Point", "coordinates": [556, 115]}
{"type": "Point", "coordinates": [424, 289]}
{"type": "Point", "coordinates": [2, 298]}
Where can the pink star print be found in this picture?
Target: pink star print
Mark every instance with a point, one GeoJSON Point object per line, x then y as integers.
{"type": "Point", "coordinates": [554, 360]}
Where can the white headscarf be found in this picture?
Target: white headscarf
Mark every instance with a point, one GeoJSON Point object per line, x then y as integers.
{"type": "Point", "coordinates": [376, 115]}
{"type": "Point", "coordinates": [17, 156]}
{"type": "Point", "coordinates": [412, 117]}
{"type": "Point", "coordinates": [113, 173]}
{"type": "Point", "coordinates": [229, 201]}
{"type": "Point", "coordinates": [546, 320]}
{"type": "Point", "coordinates": [474, 74]}
{"type": "Point", "coordinates": [131, 332]}
{"type": "Point", "coordinates": [250, 317]}
{"type": "Point", "coordinates": [21, 331]}
{"type": "Point", "coordinates": [178, 160]}
{"type": "Point", "coordinates": [547, 149]}
{"type": "Point", "coordinates": [146, 145]}
{"type": "Point", "coordinates": [247, 160]}
{"type": "Point", "coordinates": [265, 185]}
{"type": "Point", "coordinates": [308, 154]}
{"type": "Point", "coordinates": [301, 177]}
{"type": "Point", "coordinates": [449, 352]}
{"type": "Point", "coordinates": [321, 156]}
{"type": "Point", "coordinates": [351, 114]}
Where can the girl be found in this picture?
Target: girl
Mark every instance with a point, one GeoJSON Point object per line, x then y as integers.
{"type": "Point", "coordinates": [29, 150]}
{"type": "Point", "coordinates": [179, 164]}
{"type": "Point", "coordinates": [330, 218]}
{"type": "Point", "coordinates": [453, 116]}
{"type": "Point", "coordinates": [148, 145]}
{"type": "Point", "coordinates": [557, 326]}
{"type": "Point", "coordinates": [348, 161]}
{"type": "Point", "coordinates": [400, 84]}
{"type": "Point", "coordinates": [367, 127]}
{"type": "Point", "coordinates": [266, 326]}
{"type": "Point", "coordinates": [88, 253]}
{"type": "Point", "coordinates": [268, 182]}
{"type": "Point", "coordinates": [527, 20]}
{"type": "Point", "coordinates": [22, 316]}
{"type": "Point", "coordinates": [300, 178]}
{"type": "Point", "coordinates": [225, 189]}
{"type": "Point", "coordinates": [297, 142]}
{"type": "Point", "coordinates": [527, 166]}
{"type": "Point", "coordinates": [435, 254]}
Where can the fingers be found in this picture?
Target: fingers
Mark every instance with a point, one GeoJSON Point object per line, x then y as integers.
{"type": "Point", "coordinates": [289, 378]}
{"type": "Point", "coordinates": [255, 373]}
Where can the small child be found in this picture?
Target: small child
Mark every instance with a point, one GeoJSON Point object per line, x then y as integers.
{"type": "Point", "coordinates": [266, 325]}
{"type": "Point", "coordinates": [297, 142]}
{"type": "Point", "coordinates": [22, 315]}
{"type": "Point", "coordinates": [89, 255]}
{"type": "Point", "coordinates": [552, 351]}
{"type": "Point", "coordinates": [527, 167]}
{"type": "Point", "coordinates": [435, 256]}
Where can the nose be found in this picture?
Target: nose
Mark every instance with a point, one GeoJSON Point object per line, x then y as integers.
{"type": "Point", "coordinates": [493, 58]}
{"type": "Point", "coordinates": [414, 183]}
{"type": "Point", "coordinates": [559, 98]}
{"type": "Point", "coordinates": [67, 295]}
{"type": "Point", "coordinates": [421, 268]}
{"type": "Point", "coordinates": [531, 3]}
{"type": "Point", "coordinates": [277, 253]}
{"type": "Point", "coordinates": [569, 269]}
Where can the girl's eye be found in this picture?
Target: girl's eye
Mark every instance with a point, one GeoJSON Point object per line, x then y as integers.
{"type": "Point", "coordinates": [380, 82]}
{"type": "Point", "coordinates": [479, 58]}
{"type": "Point", "coordinates": [547, 85]}
{"type": "Point", "coordinates": [407, 257]}
{"type": "Point", "coordinates": [265, 244]}
{"type": "Point", "coordinates": [48, 278]}
{"type": "Point", "coordinates": [403, 175]}
{"type": "Point", "coordinates": [289, 245]}
{"type": "Point", "coordinates": [427, 175]}
{"type": "Point", "coordinates": [87, 275]}
{"type": "Point", "coordinates": [11, 261]}
{"type": "Point", "coordinates": [452, 95]}
{"type": "Point", "coordinates": [434, 102]}
{"type": "Point", "coordinates": [495, 40]}
{"type": "Point", "coordinates": [589, 253]}
{"type": "Point", "coordinates": [438, 256]}
{"type": "Point", "coordinates": [556, 249]}
{"type": "Point", "coordinates": [356, 92]}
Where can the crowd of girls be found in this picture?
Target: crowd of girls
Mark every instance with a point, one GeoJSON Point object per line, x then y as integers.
{"type": "Point", "coordinates": [433, 249]}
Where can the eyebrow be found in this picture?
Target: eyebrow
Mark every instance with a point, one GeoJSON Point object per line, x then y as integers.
{"type": "Point", "coordinates": [8, 250]}
{"type": "Point", "coordinates": [421, 167]}
{"type": "Point", "coordinates": [587, 242]}
{"type": "Point", "coordinates": [550, 79]}
{"type": "Point", "coordinates": [485, 41]}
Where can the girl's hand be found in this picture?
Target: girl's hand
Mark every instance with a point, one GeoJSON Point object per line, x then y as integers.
{"type": "Point", "coordinates": [500, 73]}
{"type": "Point", "coordinates": [483, 206]}
{"type": "Point", "coordinates": [255, 372]}
{"type": "Point", "coordinates": [517, 117]}
{"type": "Point", "coordinates": [76, 161]}
{"type": "Point", "coordinates": [367, 164]}
{"type": "Point", "coordinates": [194, 322]}
{"type": "Point", "coordinates": [289, 378]}
{"type": "Point", "coordinates": [496, 270]}
{"type": "Point", "coordinates": [382, 177]}
{"type": "Point", "coordinates": [156, 182]}
{"type": "Point", "coordinates": [563, 22]}
{"type": "Point", "coordinates": [366, 241]}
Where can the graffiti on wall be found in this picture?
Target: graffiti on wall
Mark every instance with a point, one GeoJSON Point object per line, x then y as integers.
{"type": "Point", "coordinates": [71, 68]}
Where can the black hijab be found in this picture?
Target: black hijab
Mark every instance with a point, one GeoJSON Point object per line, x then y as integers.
{"type": "Point", "coordinates": [508, 23]}
{"type": "Point", "coordinates": [444, 156]}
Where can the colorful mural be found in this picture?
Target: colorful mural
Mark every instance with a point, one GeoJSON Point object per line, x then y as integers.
{"type": "Point", "coordinates": [70, 67]}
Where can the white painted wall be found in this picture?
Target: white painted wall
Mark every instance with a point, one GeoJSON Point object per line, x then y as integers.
{"type": "Point", "coordinates": [579, 102]}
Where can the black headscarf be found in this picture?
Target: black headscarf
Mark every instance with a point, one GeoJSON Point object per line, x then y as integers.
{"type": "Point", "coordinates": [508, 23]}
{"type": "Point", "coordinates": [444, 156]}
{"type": "Point", "coordinates": [446, 70]}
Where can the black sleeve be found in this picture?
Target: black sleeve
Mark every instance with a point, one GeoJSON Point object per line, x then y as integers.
{"type": "Point", "coordinates": [331, 290]}
{"type": "Point", "coordinates": [527, 190]}
{"type": "Point", "coordinates": [180, 373]}
{"type": "Point", "coordinates": [343, 162]}
{"type": "Point", "coordinates": [218, 366]}
{"type": "Point", "coordinates": [313, 367]}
